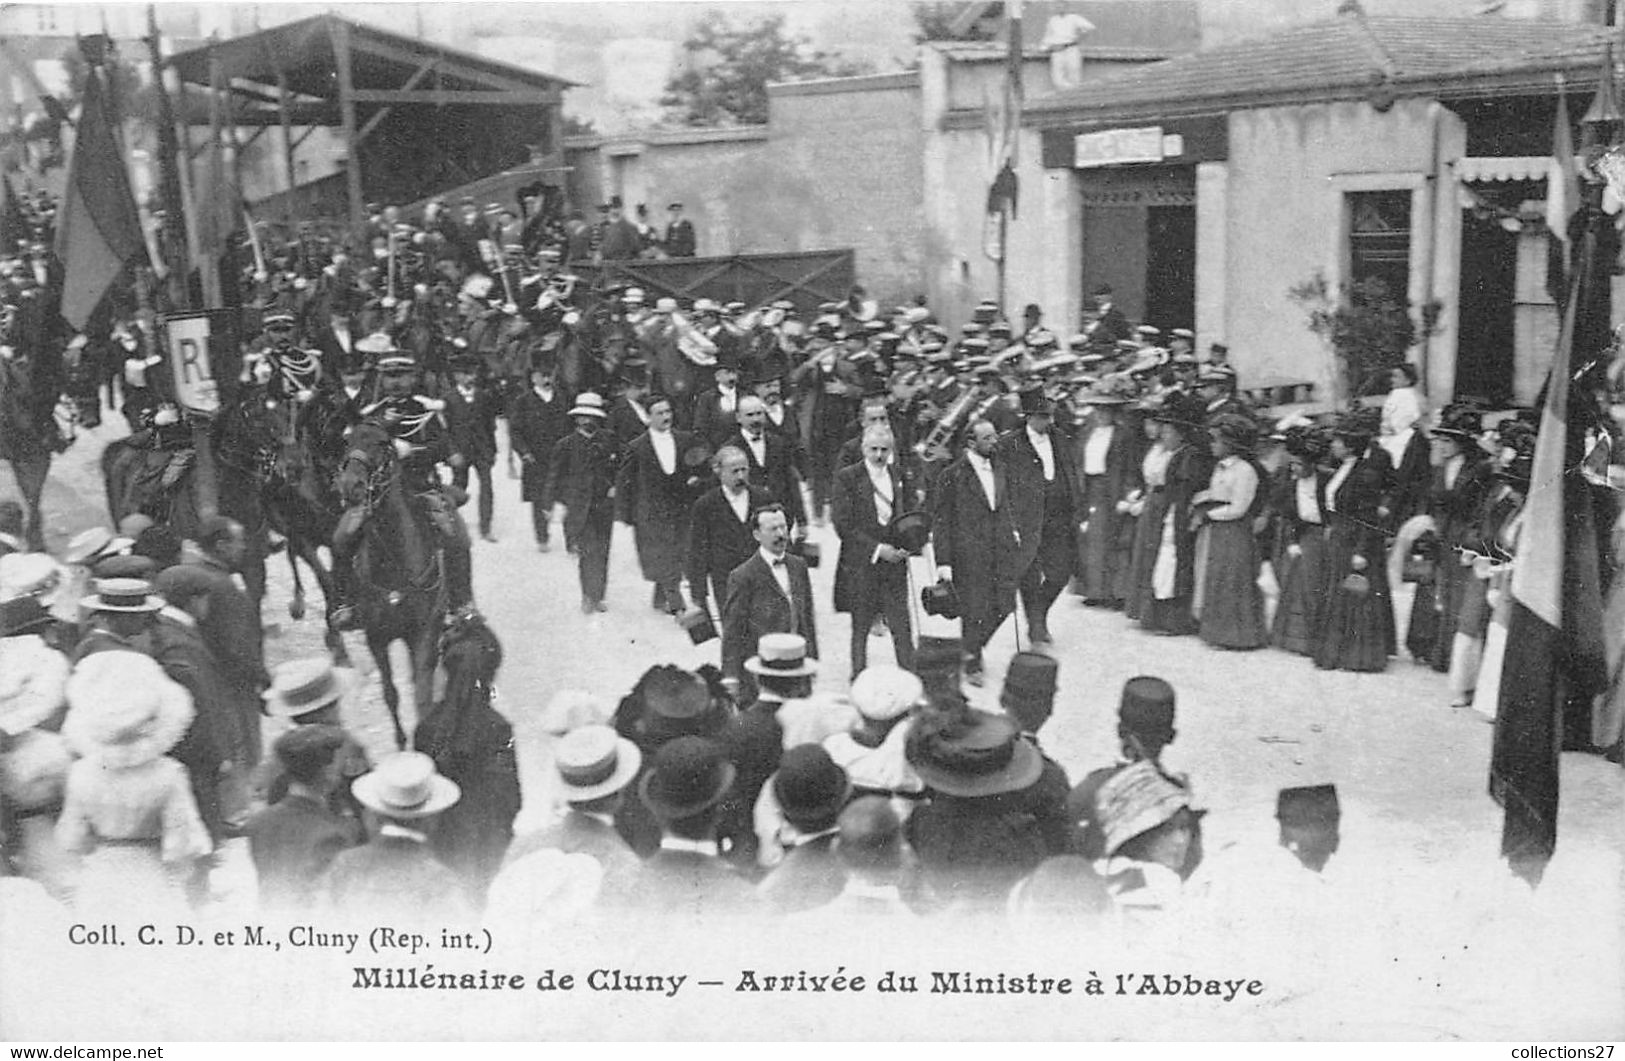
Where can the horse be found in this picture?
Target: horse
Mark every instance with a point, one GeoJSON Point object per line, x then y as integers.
{"type": "Point", "coordinates": [399, 566]}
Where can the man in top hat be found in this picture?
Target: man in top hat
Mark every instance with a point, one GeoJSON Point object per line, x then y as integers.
{"type": "Point", "coordinates": [395, 875]}
{"type": "Point", "coordinates": [1145, 727]}
{"type": "Point", "coordinates": [804, 800]}
{"type": "Point", "coordinates": [684, 788]}
{"type": "Point", "coordinates": [715, 409]}
{"type": "Point", "coordinates": [537, 420]}
{"type": "Point", "coordinates": [596, 768]}
{"type": "Point", "coordinates": [582, 477]}
{"type": "Point", "coordinates": [656, 485]}
{"type": "Point", "coordinates": [977, 545]}
{"type": "Point", "coordinates": [294, 841]}
{"type": "Point", "coordinates": [720, 534]}
{"type": "Point", "coordinates": [472, 408]}
{"type": "Point", "coordinates": [1039, 465]}
{"type": "Point", "coordinates": [871, 576]}
{"type": "Point", "coordinates": [679, 240]}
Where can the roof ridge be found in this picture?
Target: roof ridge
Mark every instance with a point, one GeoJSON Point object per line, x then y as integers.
{"type": "Point", "coordinates": [1381, 57]}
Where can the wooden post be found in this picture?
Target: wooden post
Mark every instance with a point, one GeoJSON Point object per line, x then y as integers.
{"type": "Point", "coordinates": [352, 142]}
{"type": "Point", "coordinates": [213, 228]}
{"type": "Point", "coordinates": [287, 134]}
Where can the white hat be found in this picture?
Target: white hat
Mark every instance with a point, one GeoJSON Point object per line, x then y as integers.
{"type": "Point", "coordinates": [633, 296]}
{"type": "Point", "coordinates": [1135, 800]}
{"type": "Point", "coordinates": [781, 656]}
{"type": "Point", "coordinates": [123, 710]}
{"type": "Point", "coordinates": [301, 686]}
{"type": "Point", "coordinates": [666, 305]}
{"type": "Point", "coordinates": [589, 404]}
{"type": "Point", "coordinates": [88, 544]}
{"type": "Point", "coordinates": [122, 595]}
{"type": "Point", "coordinates": [884, 692]}
{"type": "Point", "coordinates": [406, 785]}
{"type": "Point", "coordinates": [29, 575]}
{"type": "Point", "coordinates": [594, 761]}
{"type": "Point", "coordinates": [705, 305]}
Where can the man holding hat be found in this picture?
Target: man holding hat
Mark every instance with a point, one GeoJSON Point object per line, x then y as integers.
{"type": "Point", "coordinates": [395, 875]}
{"type": "Point", "coordinates": [871, 576]}
{"type": "Point", "coordinates": [1040, 470]}
{"type": "Point", "coordinates": [582, 477]}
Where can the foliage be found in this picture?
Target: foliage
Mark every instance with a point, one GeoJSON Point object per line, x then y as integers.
{"type": "Point", "coordinates": [1368, 329]}
{"type": "Point", "coordinates": [935, 22]}
{"type": "Point", "coordinates": [574, 126]}
{"type": "Point", "coordinates": [135, 100]}
{"type": "Point", "coordinates": [726, 69]}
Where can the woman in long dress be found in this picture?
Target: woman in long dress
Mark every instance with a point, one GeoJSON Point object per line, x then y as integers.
{"type": "Point", "coordinates": [1357, 631]}
{"type": "Point", "coordinates": [1145, 507]}
{"type": "Point", "coordinates": [1461, 475]}
{"type": "Point", "coordinates": [128, 807]}
{"type": "Point", "coordinates": [1170, 582]}
{"type": "Point", "coordinates": [1482, 687]}
{"type": "Point", "coordinates": [1228, 603]}
{"type": "Point", "coordinates": [1302, 560]}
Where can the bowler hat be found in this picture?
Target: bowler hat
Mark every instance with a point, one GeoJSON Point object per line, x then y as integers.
{"type": "Point", "coordinates": [982, 755]}
{"type": "Point", "coordinates": [686, 775]}
{"type": "Point", "coordinates": [1034, 402]}
{"type": "Point", "coordinates": [809, 785]}
{"type": "Point", "coordinates": [22, 615]}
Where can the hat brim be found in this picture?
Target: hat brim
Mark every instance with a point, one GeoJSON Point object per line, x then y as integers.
{"type": "Point", "coordinates": [443, 794]}
{"type": "Point", "coordinates": [628, 761]}
{"type": "Point", "coordinates": [1023, 769]}
{"type": "Point", "coordinates": [807, 667]}
{"type": "Point", "coordinates": [164, 730]}
{"type": "Point", "coordinates": [587, 410]}
{"type": "Point", "coordinates": [93, 603]}
{"type": "Point", "coordinates": [344, 681]}
{"type": "Point", "coordinates": [828, 809]}
{"type": "Point", "coordinates": [671, 811]}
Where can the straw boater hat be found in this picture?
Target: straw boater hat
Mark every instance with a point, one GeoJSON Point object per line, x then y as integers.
{"type": "Point", "coordinates": [406, 786]}
{"type": "Point", "coordinates": [1135, 800]}
{"type": "Point", "coordinates": [123, 711]}
{"type": "Point", "coordinates": [29, 575]}
{"type": "Point", "coordinates": [589, 404]}
{"type": "Point", "coordinates": [782, 656]}
{"type": "Point", "coordinates": [86, 546]}
{"type": "Point", "coordinates": [883, 692]}
{"type": "Point", "coordinates": [594, 761]}
{"type": "Point", "coordinates": [122, 595]}
{"type": "Point", "coordinates": [301, 686]}
{"type": "Point", "coordinates": [570, 709]}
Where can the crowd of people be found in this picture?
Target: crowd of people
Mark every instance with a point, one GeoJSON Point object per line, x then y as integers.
{"type": "Point", "coordinates": [144, 727]}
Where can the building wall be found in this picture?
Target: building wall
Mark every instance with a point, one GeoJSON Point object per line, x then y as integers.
{"type": "Point", "coordinates": [1288, 171]}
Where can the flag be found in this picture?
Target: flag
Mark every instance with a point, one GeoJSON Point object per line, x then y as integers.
{"type": "Point", "coordinates": [1554, 653]}
{"type": "Point", "coordinates": [1562, 198]}
{"type": "Point", "coordinates": [13, 222]}
{"type": "Point", "coordinates": [1004, 132]}
{"type": "Point", "coordinates": [98, 231]}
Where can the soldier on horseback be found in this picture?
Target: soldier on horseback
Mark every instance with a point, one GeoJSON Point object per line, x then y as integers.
{"type": "Point", "coordinates": [418, 427]}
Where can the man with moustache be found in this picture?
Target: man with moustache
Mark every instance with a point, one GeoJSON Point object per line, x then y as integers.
{"type": "Point", "coordinates": [720, 534]}
{"type": "Point", "coordinates": [772, 459]}
{"type": "Point", "coordinates": [1040, 469]}
{"type": "Point", "coordinates": [770, 593]}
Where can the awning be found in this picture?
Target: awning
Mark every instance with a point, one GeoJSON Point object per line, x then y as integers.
{"type": "Point", "coordinates": [1505, 168]}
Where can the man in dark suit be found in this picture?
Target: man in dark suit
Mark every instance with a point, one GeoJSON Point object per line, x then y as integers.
{"type": "Point", "coordinates": [679, 241]}
{"type": "Point", "coordinates": [1110, 325]}
{"type": "Point", "coordinates": [769, 593]}
{"type": "Point", "coordinates": [1040, 468]}
{"type": "Point", "coordinates": [471, 418]}
{"type": "Point", "coordinates": [772, 460]}
{"type": "Point", "coordinates": [811, 790]}
{"type": "Point", "coordinates": [653, 493]}
{"type": "Point", "coordinates": [871, 577]}
{"type": "Point", "coordinates": [231, 627]}
{"type": "Point", "coordinates": [719, 535]}
{"type": "Point", "coordinates": [582, 476]}
{"type": "Point", "coordinates": [395, 875]}
{"type": "Point", "coordinates": [294, 841]}
{"type": "Point", "coordinates": [538, 419]}
{"type": "Point", "coordinates": [621, 238]}
{"type": "Point", "coordinates": [715, 409]}
{"type": "Point", "coordinates": [973, 532]}
{"type": "Point", "coordinates": [687, 780]}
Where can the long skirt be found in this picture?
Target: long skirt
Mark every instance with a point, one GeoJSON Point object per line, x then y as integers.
{"type": "Point", "coordinates": [1229, 604]}
{"type": "Point", "coordinates": [1472, 624]}
{"type": "Point", "coordinates": [1435, 610]}
{"type": "Point", "coordinates": [1303, 577]}
{"type": "Point", "coordinates": [1168, 611]}
{"type": "Point", "coordinates": [1357, 632]}
{"type": "Point", "coordinates": [1143, 554]}
{"type": "Point", "coordinates": [1102, 553]}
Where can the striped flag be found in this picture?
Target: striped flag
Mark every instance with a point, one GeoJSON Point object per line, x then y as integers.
{"type": "Point", "coordinates": [98, 231]}
{"type": "Point", "coordinates": [1554, 654]}
{"type": "Point", "coordinates": [1562, 198]}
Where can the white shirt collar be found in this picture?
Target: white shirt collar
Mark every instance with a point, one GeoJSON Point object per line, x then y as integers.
{"type": "Point", "coordinates": [698, 847]}
{"type": "Point", "coordinates": [768, 558]}
{"type": "Point", "coordinates": [402, 832]}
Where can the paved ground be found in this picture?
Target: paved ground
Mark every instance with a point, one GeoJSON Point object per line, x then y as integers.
{"type": "Point", "coordinates": [1430, 936]}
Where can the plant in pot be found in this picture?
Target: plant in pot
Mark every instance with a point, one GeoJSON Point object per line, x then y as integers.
{"type": "Point", "coordinates": [1369, 329]}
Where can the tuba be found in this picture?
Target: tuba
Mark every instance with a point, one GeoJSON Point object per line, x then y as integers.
{"type": "Point", "coordinates": [934, 446]}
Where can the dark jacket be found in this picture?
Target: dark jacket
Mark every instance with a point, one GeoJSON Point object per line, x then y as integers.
{"type": "Point", "coordinates": [854, 510]}
{"type": "Point", "coordinates": [778, 475]}
{"type": "Point", "coordinates": [657, 504]}
{"type": "Point", "coordinates": [718, 541]}
{"type": "Point", "coordinates": [293, 843]}
{"type": "Point", "coordinates": [582, 474]}
{"type": "Point", "coordinates": [395, 877]}
{"type": "Point", "coordinates": [1026, 471]}
{"type": "Point", "coordinates": [756, 606]}
{"type": "Point", "coordinates": [679, 241]}
{"type": "Point", "coordinates": [979, 543]}
{"type": "Point", "coordinates": [473, 424]}
{"type": "Point", "coordinates": [534, 428]}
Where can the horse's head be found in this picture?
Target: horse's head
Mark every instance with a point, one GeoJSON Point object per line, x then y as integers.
{"type": "Point", "coordinates": [468, 641]}
{"type": "Point", "coordinates": [369, 452]}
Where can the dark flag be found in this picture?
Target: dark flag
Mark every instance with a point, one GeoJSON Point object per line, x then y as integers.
{"type": "Point", "coordinates": [98, 231]}
{"type": "Point", "coordinates": [1554, 654]}
{"type": "Point", "coordinates": [13, 222]}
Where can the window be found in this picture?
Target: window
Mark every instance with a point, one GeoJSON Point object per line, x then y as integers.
{"type": "Point", "coordinates": [1380, 239]}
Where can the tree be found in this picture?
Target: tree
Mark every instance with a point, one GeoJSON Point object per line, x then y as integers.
{"type": "Point", "coordinates": [1368, 328]}
{"type": "Point", "coordinates": [936, 22]}
{"type": "Point", "coordinates": [727, 69]}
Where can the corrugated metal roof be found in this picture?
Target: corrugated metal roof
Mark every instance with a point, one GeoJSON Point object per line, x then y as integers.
{"type": "Point", "coordinates": [1342, 58]}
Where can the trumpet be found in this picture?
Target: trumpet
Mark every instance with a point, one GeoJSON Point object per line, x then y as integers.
{"type": "Point", "coordinates": [934, 446]}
